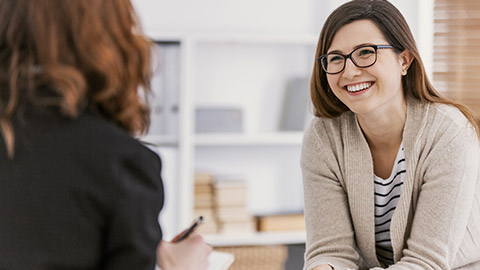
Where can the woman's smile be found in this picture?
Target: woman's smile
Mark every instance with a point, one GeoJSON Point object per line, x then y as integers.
{"type": "Point", "coordinates": [355, 89]}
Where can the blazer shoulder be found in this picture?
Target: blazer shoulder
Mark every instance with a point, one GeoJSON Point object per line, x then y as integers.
{"type": "Point", "coordinates": [94, 132]}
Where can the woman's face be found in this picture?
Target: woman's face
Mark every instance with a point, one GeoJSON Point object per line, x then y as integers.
{"type": "Point", "coordinates": [375, 89]}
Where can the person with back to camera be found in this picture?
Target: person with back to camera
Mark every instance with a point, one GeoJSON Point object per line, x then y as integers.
{"type": "Point", "coordinates": [77, 190]}
{"type": "Point", "coordinates": [390, 167]}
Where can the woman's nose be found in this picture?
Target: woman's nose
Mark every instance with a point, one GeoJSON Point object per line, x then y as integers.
{"type": "Point", "coordinates": [351, 70]}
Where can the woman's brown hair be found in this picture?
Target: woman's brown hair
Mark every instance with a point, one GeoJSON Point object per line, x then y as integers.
{"type": "Point", "coordinates": [396, 31]}
{"type": "Point", "coordinates": [87, 52]}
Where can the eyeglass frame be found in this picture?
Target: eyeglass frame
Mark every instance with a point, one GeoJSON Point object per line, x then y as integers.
{"type": "Point", "coordinates": [345, 57]}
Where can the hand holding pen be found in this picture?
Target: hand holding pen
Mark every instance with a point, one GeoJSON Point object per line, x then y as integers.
{"type": "Point", "coordinates": [184, 234]}
{"type": "Point", "coordinates": [187, 250]}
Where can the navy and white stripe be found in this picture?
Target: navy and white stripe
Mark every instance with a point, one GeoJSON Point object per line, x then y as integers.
{"type": "Point", "coordinates": [387, 194]}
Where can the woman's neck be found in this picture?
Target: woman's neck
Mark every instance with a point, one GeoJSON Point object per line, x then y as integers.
{"type": "Point", "coordinates": [384, 130]}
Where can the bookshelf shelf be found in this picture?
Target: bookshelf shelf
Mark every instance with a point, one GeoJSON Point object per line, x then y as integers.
{"type": "Point", "coordinates": [263, 139]}
{"type": "Point", "coordinates": [263, 238]}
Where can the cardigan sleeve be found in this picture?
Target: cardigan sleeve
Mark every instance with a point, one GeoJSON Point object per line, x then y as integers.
{"type": "Point", "coordinates": [330, 235]}
{"type": "Point", "coordinates": [450, 175]}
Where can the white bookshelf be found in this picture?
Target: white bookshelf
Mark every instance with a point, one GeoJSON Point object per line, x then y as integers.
{"type": "Point", "coordinates": [266, 156]}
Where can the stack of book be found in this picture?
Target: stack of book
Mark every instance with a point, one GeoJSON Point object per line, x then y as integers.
{"type": "Point", "coordinates": [204, 205]}
{"type": "Point", "coordinates": [230, 200]}
{"type": "Point", "coordinates": [281, 222]}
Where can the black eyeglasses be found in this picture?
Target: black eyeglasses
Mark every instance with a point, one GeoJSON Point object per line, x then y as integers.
{"type": "Point", "coordinates": [362, 57]}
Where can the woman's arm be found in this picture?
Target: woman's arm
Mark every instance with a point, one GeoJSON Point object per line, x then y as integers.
{"type": "Point", "coordinates": [450, 177]}
{"type": "Point", "coordinates": [330, 235]}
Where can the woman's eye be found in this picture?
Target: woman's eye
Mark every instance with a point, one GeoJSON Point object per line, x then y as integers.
{"type": "Point", "coordinates": [335, 58]}
{"type": "Point", "coordinates": [366, 52]}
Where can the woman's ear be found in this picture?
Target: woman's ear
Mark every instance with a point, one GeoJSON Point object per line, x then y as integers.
{"type": "Point", "coordinates": [406, 58]}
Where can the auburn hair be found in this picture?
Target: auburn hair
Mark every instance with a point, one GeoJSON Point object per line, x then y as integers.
{"type": "Point", "coordinates": [396, 31]}
{"type": "Point", "coordinates": [86, 52]}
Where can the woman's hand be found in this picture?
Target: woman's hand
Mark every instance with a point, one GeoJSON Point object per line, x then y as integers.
{"type": "Point", "coordinates": [191, 253]}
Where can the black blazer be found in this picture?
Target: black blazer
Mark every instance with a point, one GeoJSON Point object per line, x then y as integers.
{"type": "Point", "coordinates": [78, 194]}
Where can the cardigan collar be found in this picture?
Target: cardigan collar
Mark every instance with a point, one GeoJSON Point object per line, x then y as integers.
{"type": "Point", "coordinates": [417, 112]}
{"type": "Point", "coordinates": [359, 172]}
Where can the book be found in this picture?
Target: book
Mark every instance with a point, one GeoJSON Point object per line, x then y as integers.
{"type": "Point", "coordinates": [281, 222]}
{"type": "Point", "coordinates": [203, 189]}
{"type": "Point", "coordinates": [230, 197]}
{"type": "Point", "coordinates": [210, 224]}
{"type": "Point", "coordinates": [203, 178]}
{"type": "Point", "coordinates": [232, 213]}
{"type": "Point", "coordinates": [219, 260]}
{"type": "Point", "coordinates": [203, 202]}
{"type": "Point", "coordinates": [237, 227]}
{"type": "Point", "coordinates": [230, 193]}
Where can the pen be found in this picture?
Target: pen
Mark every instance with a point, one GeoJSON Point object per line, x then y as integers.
{"type": "Point", "coordinates": [188, 231]}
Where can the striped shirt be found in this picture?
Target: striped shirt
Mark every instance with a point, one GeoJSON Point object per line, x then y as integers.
{"type": "Point", "coordinates": [387, 194]}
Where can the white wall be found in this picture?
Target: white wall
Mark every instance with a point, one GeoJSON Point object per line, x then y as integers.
{"type": "Point", "coordinates": [248, 16]}
{"type": "Point", "coordinates": [268, 16]}
{"type": "Point", "coordinates": [227, 16]}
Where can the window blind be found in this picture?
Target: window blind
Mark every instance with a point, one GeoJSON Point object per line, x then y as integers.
{"type": "Point", "coordinates": [456, 52]}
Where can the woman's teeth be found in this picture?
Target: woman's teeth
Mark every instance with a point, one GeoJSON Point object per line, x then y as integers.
{"type": "Point", "coordinates": [358, 87]}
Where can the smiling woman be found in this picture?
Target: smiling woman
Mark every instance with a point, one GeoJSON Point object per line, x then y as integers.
{"type": "Point", "coordinates": [390, 167]}
{"type": "Point", "coordinates": [366, 67]}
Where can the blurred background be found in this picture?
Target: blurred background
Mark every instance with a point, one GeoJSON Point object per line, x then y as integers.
{"type": "Point", "coordinates": [231, 100]}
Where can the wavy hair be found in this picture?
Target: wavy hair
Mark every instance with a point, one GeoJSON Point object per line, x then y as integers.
{"type": "Point", "coordinates": [396, 31]}
{"type": "Point", "coordinates": [86, 52]}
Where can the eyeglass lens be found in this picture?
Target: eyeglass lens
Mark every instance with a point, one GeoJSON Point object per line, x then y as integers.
{"type": "Point", "coordinates": [361, 57]}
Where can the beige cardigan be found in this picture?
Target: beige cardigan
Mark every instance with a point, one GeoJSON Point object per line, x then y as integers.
{"type": "Point", "coordinates": [436, 224]}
